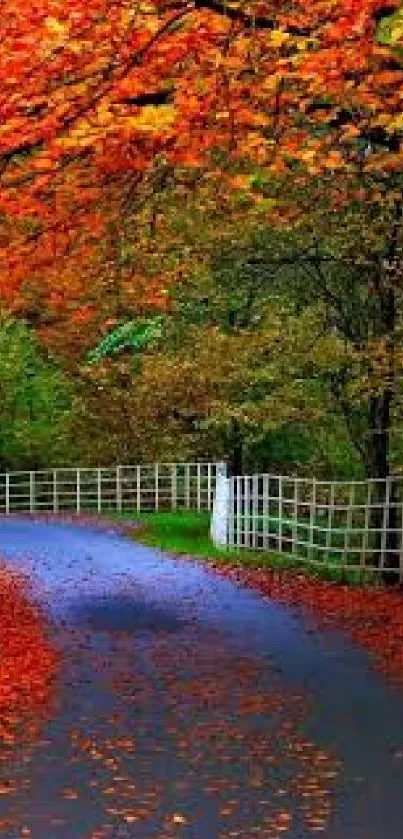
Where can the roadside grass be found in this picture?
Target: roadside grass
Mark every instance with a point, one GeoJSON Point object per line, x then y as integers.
{"type": "Point", "coordinates": [187, 532]}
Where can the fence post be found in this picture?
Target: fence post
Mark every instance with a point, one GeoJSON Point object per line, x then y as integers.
{"type": "Point", "coordinates": [295, 520]}
{"type": "Point", "coordinates": [255, 509]}
{"type": "Point", "coordinates": [330, 511]}
{"type": "Point", "coordinates": [138, 488]}
{"type": "Point", "coordinates": [312, 508]}
{"type": "Point", "coordinates": [187, 485]}
{"type": "Point", "coordinates": [7, 493]}
{"type": "Point", "coordinates": [54, 491]}
{"type": "Point", "coordinates": [239, 481]}
{"type": "Point", "coordinates": [99, 496]}
{"type": "Point", "coordinates": [198, 487]}
{"type": "Point", "coordinates": [156, 486]}
{"type": "Point", "coordinates": [78, 491]}
{"type": "Point", "coordinates": [174, 488]}
{"type": "Point", "coordinates": [246, 511]}
{"type": "Point", "coordinates": [385, 522]}
{"type": "Point", "coordinates": [265, 527]}
{"type": "Point", "coordinates": [231, 512]}
{"type": "Point", "coordinates": [347, 541]}
{"type": "Point", "coordinates": [365, 535]}
{"type": "Point", "coordinates": [280, 513]}
{"type": "Point", "coordinates": [31, 492]}
{"type": "Point", "coordinates": [118, 489]}
{"type": "Point", "coordinates": [219, 520]}
{"type": "Point", "coordinates": [209, 486]}
{"type": "Point", "coordinates": [401, 543]}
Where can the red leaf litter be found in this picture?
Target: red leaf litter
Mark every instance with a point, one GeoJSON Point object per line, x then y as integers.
{"type": "Point", "coordinates": [372, 617]}
{"type": "Point", "coordinates": [28, 662]}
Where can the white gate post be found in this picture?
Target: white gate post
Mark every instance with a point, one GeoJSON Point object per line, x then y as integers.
{"type": "Point", "coordinates": [219, 519]}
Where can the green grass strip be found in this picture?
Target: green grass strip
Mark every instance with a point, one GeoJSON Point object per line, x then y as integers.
{"type": "Point", "coordinates": [187, 532]}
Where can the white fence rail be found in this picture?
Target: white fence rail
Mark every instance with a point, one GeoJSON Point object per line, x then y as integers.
{"type": "Point", "coordinates": [123, 488]}
{"type": "Point", "coordinates": [351, 523]}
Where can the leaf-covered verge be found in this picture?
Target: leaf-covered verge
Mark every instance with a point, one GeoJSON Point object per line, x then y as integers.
{"type": "Point", "coordinates": [28, 664]}
{"type": "Point", "coordinates": [371, 615]}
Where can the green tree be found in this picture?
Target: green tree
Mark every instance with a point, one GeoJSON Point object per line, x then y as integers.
{"type": "Point", "coordinates": [35, 403]}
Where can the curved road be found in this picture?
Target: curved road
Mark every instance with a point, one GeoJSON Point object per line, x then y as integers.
{"type": "Point", "coordinates": [189, 706]}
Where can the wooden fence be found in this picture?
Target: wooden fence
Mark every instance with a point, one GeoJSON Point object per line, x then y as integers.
{"type": "Point", "coordinates": [122, 488]}
{"type": "Point", "coordinates": [351, 523]}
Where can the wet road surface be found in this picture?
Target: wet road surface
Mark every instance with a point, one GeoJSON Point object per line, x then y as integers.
{"type": "Point", "coordinates": [189, 706]}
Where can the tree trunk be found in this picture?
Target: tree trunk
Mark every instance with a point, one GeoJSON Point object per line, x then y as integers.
{"type": "Point", "coordinates": [381, 406]}
{"type": "Point", "coordinates": [236, 451]}
{"type": "Point", "coordinates": [378, 466]}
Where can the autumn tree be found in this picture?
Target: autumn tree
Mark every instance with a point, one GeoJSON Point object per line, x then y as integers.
{"type": "Point", "coordinates": [123, 94]}
{"type": "Point", "coordinates": [186, 385]}
{"type": "Point", "coordinates": [234, 93]}
{"type": "Point", "coordinates": [115, 89]}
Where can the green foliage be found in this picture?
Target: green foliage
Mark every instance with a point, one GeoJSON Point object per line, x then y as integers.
{"type": "Point", "coordinates": [35, 401]}
{"type": "Point", "coordinates": [135, 335]}
{"type": "Point", "coordinates": [284, 450]}
{"type": "Point", "coordinates": [261, 335]}
{"type": "Point", "coordinates": [390, 29]}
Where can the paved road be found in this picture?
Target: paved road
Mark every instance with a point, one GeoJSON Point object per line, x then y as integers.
{"type": "Point", "coordinates": [192, 707]}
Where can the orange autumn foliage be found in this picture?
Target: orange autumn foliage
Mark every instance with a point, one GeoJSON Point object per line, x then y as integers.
{"type": "Point", "coordinates": [94, 91]}
{"type": "Point", "coordinates": [96, 97]}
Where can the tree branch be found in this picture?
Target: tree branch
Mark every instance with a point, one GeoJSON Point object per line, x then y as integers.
{"type": "Point", "coordinates": [158, 97]}
{"type": "Point", "coordinates": [257, 21]}
{"type": "Point", "coordinates": [111, 74]}
{"type": "Point", "coordinates": [306, 257]}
